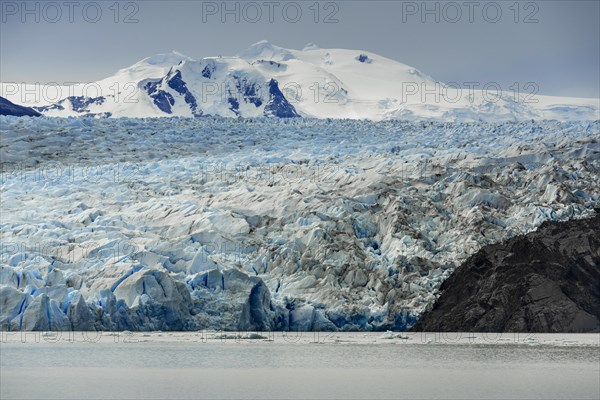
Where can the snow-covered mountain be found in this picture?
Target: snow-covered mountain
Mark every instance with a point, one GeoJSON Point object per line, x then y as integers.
{"type": "Point", "coordinates": [267, 80]}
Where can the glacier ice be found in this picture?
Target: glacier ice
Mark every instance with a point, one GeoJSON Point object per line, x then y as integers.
{"type": "Point", "coordinates": [262, 224]}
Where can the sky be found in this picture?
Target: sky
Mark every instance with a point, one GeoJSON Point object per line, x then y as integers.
{"type": "Point", "coordinates": [554, 44]}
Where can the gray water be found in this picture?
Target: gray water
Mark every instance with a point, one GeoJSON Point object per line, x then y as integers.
{"type": "Point", "coordinates": [345, 366]}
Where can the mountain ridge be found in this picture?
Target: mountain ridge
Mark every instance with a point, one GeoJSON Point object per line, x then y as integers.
{"type": "Point", "coordinates": [9, 108]}
{"type": "Point", "coordinates": [314, 82]}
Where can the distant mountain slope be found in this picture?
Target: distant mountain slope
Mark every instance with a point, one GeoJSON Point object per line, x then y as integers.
{"type": "Point", "coordinates": [267, 80]}
{"type": "Point", "coordinates": [545, 281]}
{"type": "Point", "coordinates": [10, 108]}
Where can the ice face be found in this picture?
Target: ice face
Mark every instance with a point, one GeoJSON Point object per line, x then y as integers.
{"type": "Point", "coordinates": [264, 223]}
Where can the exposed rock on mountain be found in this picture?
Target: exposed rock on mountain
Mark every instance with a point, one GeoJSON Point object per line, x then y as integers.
{"type": "Point", "coordinates": [10, 108]}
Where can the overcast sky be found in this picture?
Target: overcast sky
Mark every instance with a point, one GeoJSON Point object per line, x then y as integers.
{"type": "Point", "coordinates": [552, 43]}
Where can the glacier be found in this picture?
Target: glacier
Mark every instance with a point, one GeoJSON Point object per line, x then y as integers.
{"type": "Point", "coordinates": [265, 223]}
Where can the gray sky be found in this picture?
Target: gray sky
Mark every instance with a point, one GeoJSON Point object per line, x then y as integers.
{"type": "Point", "coordinates": [552, 43]}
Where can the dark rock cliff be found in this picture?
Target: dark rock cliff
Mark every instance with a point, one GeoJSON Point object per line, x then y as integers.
{"type": "Point", "coordinates": [545, 281]}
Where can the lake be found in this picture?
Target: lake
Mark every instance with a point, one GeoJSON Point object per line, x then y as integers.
{"type": "Point", "coordinates": [214, 365]}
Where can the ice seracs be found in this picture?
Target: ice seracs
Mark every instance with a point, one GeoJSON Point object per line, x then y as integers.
{"type": "Point", "coordinates": [267, 223]}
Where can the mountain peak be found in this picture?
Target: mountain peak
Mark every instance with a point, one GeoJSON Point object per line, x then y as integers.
{"type": "Point", "coordinates": [266, 51]}
{"type": "Point", "coordinates": [310, 46]}
{"type": "Point", "coordinates": [165, 59]}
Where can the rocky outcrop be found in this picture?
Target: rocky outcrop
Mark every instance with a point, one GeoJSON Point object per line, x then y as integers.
{"type": "Point", "coordinates": [545, 281]}
{"type": "Point", "coordinates": [278, 105]}
{"type": "Point", "coordinates": [9, 108]}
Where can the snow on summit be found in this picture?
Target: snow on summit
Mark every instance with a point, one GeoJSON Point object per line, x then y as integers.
{"type": "Point", "coordinates": [268, 80]}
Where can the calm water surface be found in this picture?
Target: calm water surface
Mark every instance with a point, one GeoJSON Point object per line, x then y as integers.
{"type": "Point", "coordinates": [341, 366]}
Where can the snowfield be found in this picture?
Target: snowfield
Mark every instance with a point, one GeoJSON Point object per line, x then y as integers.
{"type": "Point", "coordinates": [267, 224]}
